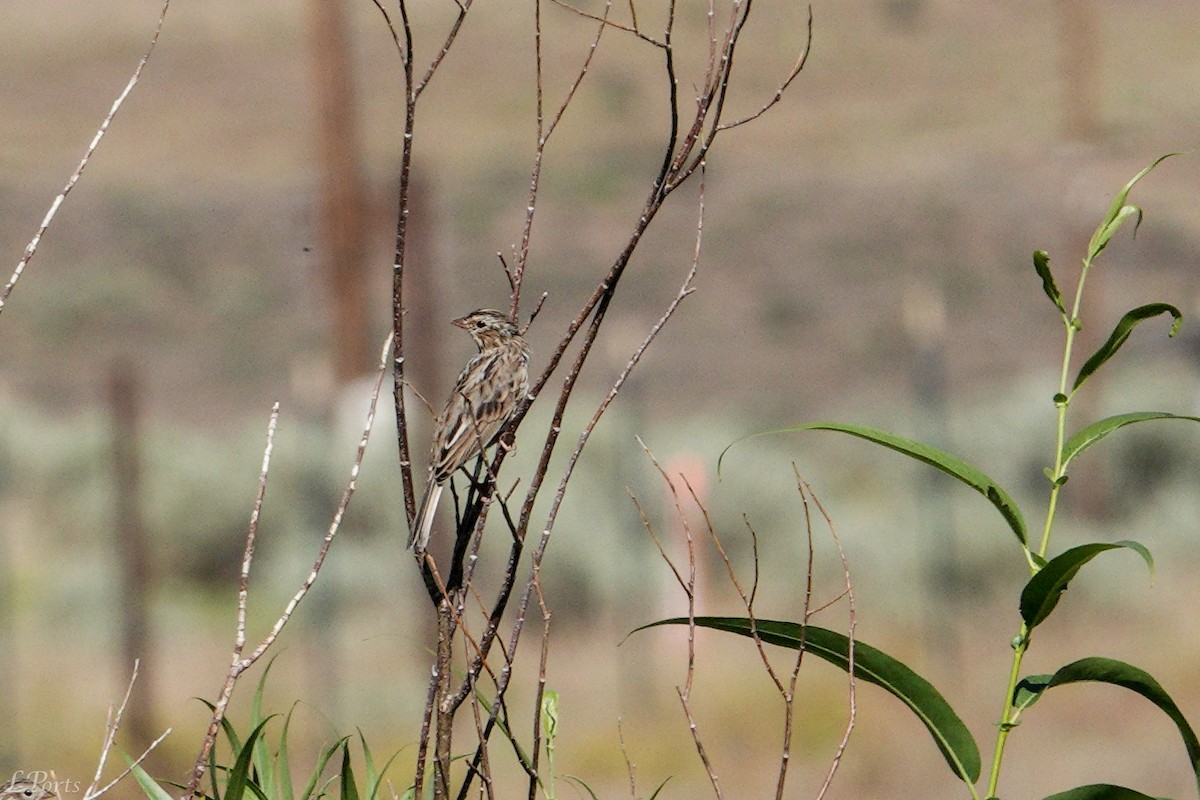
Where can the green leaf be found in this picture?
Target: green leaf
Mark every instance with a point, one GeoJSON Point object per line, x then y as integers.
{"type": "Point", "coordinates": [149, 786]}
{"type": "Point", "coordinates": [580, 783]}
{"type": "Point", "coordinates": [1101, 791]}
{"type": "Point", "coordinates": [1043, 591]}
{"type": "Point", "coordinates": [1029, 690]}
{"type": "Point", "coordinates": [660, 787]}
{"type": "Point", "coordinates": [1041, 263]}
{"type": "Point", "coordinates": [349, 788]}
{"type": "Point", "coordinates": [315, 777]}
{"type": "Point", "coordinates": [871, 665]}
{"type": "Point", "coordinates": [262, 754]}
{"type": "Point", "coordinates": [374, 776]}
{"type": "Point", "coordinates": [951, 465]}
{"type": "Point", "coordinates": [1118, 212]}
{"type": "Point", "coordinates": [1118, 673]}
{"type": "Point", "coordinates": [550, 714]}
{"type": "Point", "coordinates": [283, 769]}
{"type": "Point", "coordinates": [1093, 433]}
{"type": "Point", "coordinates": [1121, 333]}
{"type": "Point", "coordinates": [239, 776]}
{"type": "Point", "coordinates": [519, 751]}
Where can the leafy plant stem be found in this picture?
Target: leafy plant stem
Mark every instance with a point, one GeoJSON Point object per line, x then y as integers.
{"type": "Point", "coordinates": [1008, 716]}
{"type": "Point", "coordinates": [1062, 400]}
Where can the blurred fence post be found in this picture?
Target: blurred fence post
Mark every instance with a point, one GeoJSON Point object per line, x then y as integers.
{"type": "Point", "coordinates": [132, 549]}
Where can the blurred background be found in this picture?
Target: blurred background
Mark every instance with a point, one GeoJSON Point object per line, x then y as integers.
{"type": "Point", "coordinates": [866, 258]}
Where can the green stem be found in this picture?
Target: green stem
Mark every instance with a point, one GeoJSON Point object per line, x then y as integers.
{"type": "Point", "coordinates": [1007, 719]}
{"type": "Point", "coordinates": [1021, 642]}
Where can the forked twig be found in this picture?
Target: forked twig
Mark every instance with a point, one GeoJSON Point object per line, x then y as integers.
{"type": "Point", "coordinates": [31, 248]}
{"type": "Point", "coordinates": [241, 663]}
{"type": "Point", "coordinates": [111, 726]}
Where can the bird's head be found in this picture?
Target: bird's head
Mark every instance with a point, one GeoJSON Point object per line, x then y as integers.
{"type": "Point", "coordinates": [488, 327]}
{"type": "Point", "coordinates": [26, 790]}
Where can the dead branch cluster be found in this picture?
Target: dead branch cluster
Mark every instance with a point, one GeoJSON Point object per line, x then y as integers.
{"type": "Point", "coordinates": [690, 136]}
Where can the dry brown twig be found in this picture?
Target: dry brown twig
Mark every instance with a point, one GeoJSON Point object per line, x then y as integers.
{"type": "Point", "coordinates": [111, 726]}
{"type": "Point", "coordinates": [785, 685]}
{"type": "Point", "coordinates": [241, 663]}
{"type": "Point", "coordinates": [31, 248]}
{"type": "Point", "coordinates": [688, 585]}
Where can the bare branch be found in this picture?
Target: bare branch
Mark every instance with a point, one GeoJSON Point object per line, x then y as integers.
{"type": "Point", "coordinates": [388, 20]}
{"type": "Point", "coordinates": [240, 664]}
{"type": "Point", "coordinates": [544, 132]}
{"type": "Point", "coordinates": [31, 248]}
{"type": "Point", "coordinates": [631, 28]}
{"type": "Point", "coordinates": [111, 726]}
{"type": "Point", "coordinates": [783, 87]}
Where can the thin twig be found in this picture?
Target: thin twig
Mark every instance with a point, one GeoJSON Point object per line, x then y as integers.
{"type": "Point", "coordinates": [852, 700]}
{"type": "Point", "coordinates": [31, 248]}
{"type": "Point", "coordinates": [689, 589]}
{"type": "Point", "coordinates": [111, 726]}
{"type": "Point", "coordinates": [631, 28]}
{"type": "Point", "coordinates": [239, 663]}
{"type": "Point", "coordinates": [783, 87]}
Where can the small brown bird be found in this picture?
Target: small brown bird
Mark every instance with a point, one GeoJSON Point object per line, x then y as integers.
{"type": "Point", "coordinates": [26, 790]}
{"type": "Point", "coordinates": [485, 395]}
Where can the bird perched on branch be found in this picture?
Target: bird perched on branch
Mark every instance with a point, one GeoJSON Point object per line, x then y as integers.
{"type": "Point", "coordinates": [26, 790]}
{"type": "Point", "coordinates": [484, 398]}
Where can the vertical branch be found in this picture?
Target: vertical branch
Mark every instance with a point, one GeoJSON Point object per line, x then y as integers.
{"type": "Point", "coordinates": [408, 490]}
{"type": "Point", "coordinates": [445, 714]}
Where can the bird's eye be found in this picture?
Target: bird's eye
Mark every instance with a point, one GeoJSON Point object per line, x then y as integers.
{"type": "Point", "coordinates": [480, 325]}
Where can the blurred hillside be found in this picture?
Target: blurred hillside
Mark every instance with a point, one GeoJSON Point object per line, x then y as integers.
{"type": "Point", "coordinates": [866, 257]}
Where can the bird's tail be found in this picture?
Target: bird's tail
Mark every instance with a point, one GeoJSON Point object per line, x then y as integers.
{"type": "Point", "coordinates": [419, 537]}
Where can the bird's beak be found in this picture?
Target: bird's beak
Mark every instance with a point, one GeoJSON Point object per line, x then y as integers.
{"type": "Point", "coordinates": [461, 322]}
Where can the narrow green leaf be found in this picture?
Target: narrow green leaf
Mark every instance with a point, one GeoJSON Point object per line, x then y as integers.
{"type": "Point", "coordinates": [375, 789]}
{"type": "Point", "coordinates": [522, 756]}
{"type": "Point", "coordinates": [262, 753]}
{"type": "Point", "coordinates": [580, 783]}
{"type": "Point", "coordinates": [148, 785]}
{"type": "Point", "coordinates": [660, 788]}
{"type": "Point", "coordinates": [1121, 333]}
{"type": "Point", "coordinates": [349, 788]}
{"type": "Point", "coordinates": [1118, 673]}
{"type": "Point", "coordinates": [550, 714]}
{"type": "Point", "coordinates": [368, 761]}
{"type": "Point", "coordinates": [1104, 233]}
{"type": "Point", "coordinates": [951, 465]}
{"type": "Point", "coordinates": [1101, 791]}
{"type": "Point", "coordinates": [1043, 591]}
{"type": "Point", "coordinates": [283, 769]}
{"type": "Point", "coordinates": [1113, 219]}
{"type": "Point", "coordinates": [1041, 263]}
{"type": "Point", "coordinates": [871, 665]}
{"type": "Point", "coordinates": [239, 776]}
{"type": "Point", "coordinates": [313, 779]}
{"type": "Point", "coordinates": [1093, 433]}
